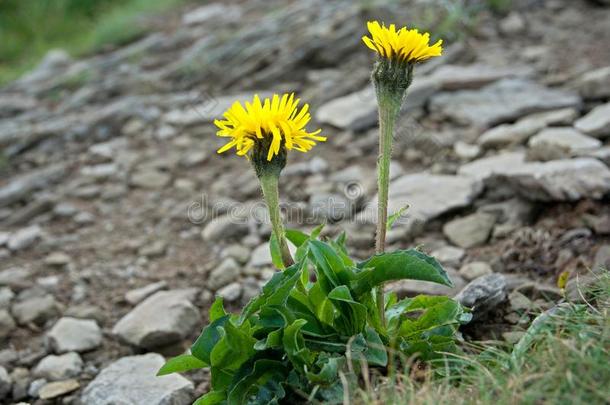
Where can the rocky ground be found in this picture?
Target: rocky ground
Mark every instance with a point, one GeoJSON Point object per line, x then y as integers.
{"type": "Point", "coordinates": [119, 223]}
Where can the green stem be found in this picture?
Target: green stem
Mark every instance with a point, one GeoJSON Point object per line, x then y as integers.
{"type": "Point", "coordinates": [269, 184]}
{"type": "Point", "coordinates": [389, 108]}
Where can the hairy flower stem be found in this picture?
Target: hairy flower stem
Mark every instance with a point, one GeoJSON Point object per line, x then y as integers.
{"type": "Point", "coordinates": [389, 107]}
{"type": "Point", "coordinates": [269, 185]}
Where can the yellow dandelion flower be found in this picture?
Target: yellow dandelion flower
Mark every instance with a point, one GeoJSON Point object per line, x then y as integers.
{"type": "Point", "coordinates": [403, 45]}
{"type": "Point", "coordinates": [276, 122]}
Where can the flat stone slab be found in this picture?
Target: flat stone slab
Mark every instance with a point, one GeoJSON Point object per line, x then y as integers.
{"type": "Point", "coordinates": [556, 180]}
{"type": "Point", "coordinates": [565, 138]}
{"type": "Point", "coordinates": [596, 122]}
{"type": "Point", "coordinates": [428, 196]}
{"type": "Point", "coordinates": [358, 111]}
{"type": "Point", "coordinates": [502, 101]}
{"type": "Point", "coordinates": [74, 335]}
{"type": "Point", "coordinates": [132, 381]}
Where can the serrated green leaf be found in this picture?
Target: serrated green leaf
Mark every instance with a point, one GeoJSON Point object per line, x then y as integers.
{"type": "Point", "coordinates": [296, 237]}
{"type": "Point", "coordinates": [234, 348]}
{"type": "Point", "coordinates": [179, 364]}
{"type": "Point", "coordinates": [402, 264]}
{"type": "Point", "coordinates": [331, 270]}
{"type": "Point", "coordinates": [395, 216]}
{"type": "Point", "coordinates": [276, 253]}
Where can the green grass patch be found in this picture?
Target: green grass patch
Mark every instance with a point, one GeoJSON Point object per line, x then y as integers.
{"type": "Point", "coordinates": [29, 28]}
{"type": "Point", "coordinates": [564, 360]}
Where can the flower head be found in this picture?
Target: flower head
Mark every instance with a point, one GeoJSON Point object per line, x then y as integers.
{"type": "Point", "coordinates": [403, 45]}
{"type": "Point", "coordinates": [275, 124]}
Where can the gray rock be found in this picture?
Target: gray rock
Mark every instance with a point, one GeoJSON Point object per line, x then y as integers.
{"type": "Point", "coordinates": [57, 259]}
{"type": "Point", "coordinates": [230, 292]}
{"type": "Point", "coordinates": [237, 252]}
{"type": "Point", "coordinates": [330, 206]}
{"type": "Point", "coordinates": [519, 132]}
{"type": "Point", "coordinates": [473, 270]}
{"type": "Point", "coordinates": [226, 272]}
{"type": "Point", "coordinates": [499, 102]}
{"type": "Point", "coordinates": [596, 123]}
{"type": "Point", "coordinates": [474, 76]}
{"type": "Point", "coordinates": [512, 24]}
{"type": "Point", "coordinates": [428, 196]}
{"type": "Point", "coordinates": [557, 180]}
{"type": "Point", "coordinates": [137, 295]}
{"type": "Point", "coordinates": [100, 172]}
{"type": "Point", "coordinates": [132, 381]}
{"type": "Point", "coordinates": [17, 277]}
{"type": "Point", "coordinates": [450, 256]}
{"type": "Point", "coordinates": [225, 227]}
{"type": "Point", "coordinates": [564, 138]}
{"type": "Point", "coordinates": [35, 387]}
{"type": "Point", "coordinates": [483, 294]}
{"type": "Point", "coordinates": [22, 187]}
{"type": "Point", "coordinates": [74, 335]}
{"type": "Point", "coordinates": [54, 368]}
{"type": "Point", "coordinates": [466, 151]}
{"type": "Point", "coordinates": [6, 296]}
{"type": "Point", "coordinates": [359, 111]}
{"type": "Point", "coordinates": [149, 178]}
{"type": "Point", "coordinates": [7, 324]}
{"type": "Point", "coordinates": [36, 309]}
{"type": "Point", "coordinates": [6, 383]}
{"type": "Point", "coordinates": [470, 231]}
{"type": "Point", "coordinates": [155, 249]}
{"type": "Point", "coordinates": [58, 388]}
{"type": "Point", "coordinates": [602, 258]}
{"type": "Point", "coordinates": [24, 238]}
{"type": "Point", "coordinates": [163, 318]}
{"type": "Point", "coordinates": [595, 84]}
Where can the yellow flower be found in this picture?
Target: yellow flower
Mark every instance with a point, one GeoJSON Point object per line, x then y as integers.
{"type": "Point", "coordinates": [276, 122]}
{"type": "Point", "coordinates": [403, 45]}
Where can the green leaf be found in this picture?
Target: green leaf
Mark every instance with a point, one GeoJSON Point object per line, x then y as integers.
{"type": "Point", "coordinates": [324, 309]}
{"type": "Point", "coordinates": [331, 269]}
{"type": "Point", "coordinates": [202, 348]}
{"type": "Point", "coordinates": [180, 364]}
{"type": "Point", "coordinates": [256, 376]}
{"type": "Point", "coordinates": [217, 309]}
{"type": "Point", "coordinates": [296, 237]}
{"type": "Point", "coordinates": [329, 368]}
{"type": "Point", "coordinates": [402, 264]}
{"type": "Point", "coordinates": [234, 348]}
{"type": "Point", "coordinates": [376, 353]}
{"type": "Point", "coordinates": [212, 398]}
{"type": "Point", "coordinates": [396, 216]}
{"type": "Point", "coordinates": [276, 253]}
{"type": "Point", "coordinates": [352, 315]}
{"type": "Point", "coordinates": [294, 345]}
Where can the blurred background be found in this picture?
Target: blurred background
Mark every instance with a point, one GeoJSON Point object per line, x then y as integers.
{"type": "Point", "coordinates": [115, 208]}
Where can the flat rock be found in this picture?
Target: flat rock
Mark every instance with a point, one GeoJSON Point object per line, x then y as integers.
{"type": "Point", "coordinates": [58, 388]}
{"type": "Point", "coordinates": [150, 179]}
{"type": "Point", "coordinates": [36, 309]}
{"type": "Point", "coordinates": [23, 186]}
{"type": "Point", "coordinates": [483, 294]}
{"type": "Point", "coordinates": [520, 131]}
{"type": "Point", "coordinates": [359, 111]}
{"type": "Point", "coordinates": [428, 196]}
{"type": "Point", "coordinates": [6, 383]}
{"type": "Point", "coordinates": [594, 84]}
{"type": "Point", "coordinates": [449, 255]}
{"type": "Point", "coordinates": [16, 277]}
{"type": "Point", "coordinates": [596, 122]}
{"type": "Point", "coordinates": [471, 230]}
{"type": "Point", "coordinates": [163, 318]}
{"type": "Point", "coordinates": [74, 335]}
{"type": "Point", "coordinates": [7, 324]}
{"type": "Point", "coordinates": [132, 381]}
{"type": "Point", "coordinates": [564, 139]}
{"type": "Point", "coordinates": [55, 368]}
{"type": "Point", "coordinates": [225, 227]}
{"type": "Point", "coordinates": [137, 295]}
{"type": "Point", "coordinates": [503, 101]}
{"type": "Point", "coordinates": [473, 270]}
{"type": "Point", "coordinates": [24, 238]}
{"type": "Point", "coordinates": [459, 77]}
{"type": "Point", "coordinates": [6, 296]}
